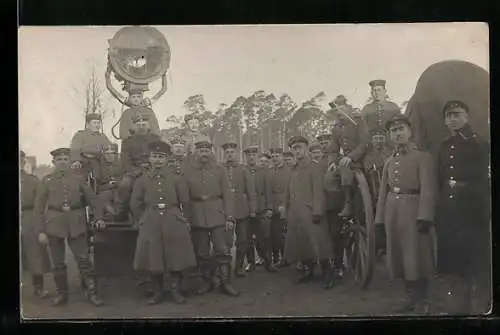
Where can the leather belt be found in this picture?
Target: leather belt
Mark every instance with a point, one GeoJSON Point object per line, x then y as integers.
{"type": "Point", "coordinates": [204, 198]}
{"type": "Point", "coordinates": [455, 183]}
{"type": "Point", "coordinates": [64, 208]}
{"type": "Point", "coordinates": [161, 206]}
{"type": "Point", "coordinates": [398, 190]}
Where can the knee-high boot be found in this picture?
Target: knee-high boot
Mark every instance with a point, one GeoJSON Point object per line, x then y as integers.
{"type": "Point", "coordinates": [157, 281]}
{"type": "Point", "coordinates": [175, 288]}
{"type": "Point", "coordinates": [38, 286]}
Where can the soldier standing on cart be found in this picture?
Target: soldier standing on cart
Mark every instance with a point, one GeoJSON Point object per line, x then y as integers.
{"type": "Point", "coordinates": [307, 237]}
{"type": "Point", "coordinates": [259, 226]}
{"type": "Point", "coordinates": [245, 203]}
{"type": "Point", "coordinates": [37, 257]}
{"type": "Point", "coordinates": [59, 209]}
{"type": "Point", "coordinates": [211, 213]}
{"type": "Point", "coordinates": [462, 220]}
{"type": "Point", "coordinates": [406, 206]}
{"type": "Point", "coordinates": [164, 243]}
{"type": "Point", "coordinates": [111, 174]}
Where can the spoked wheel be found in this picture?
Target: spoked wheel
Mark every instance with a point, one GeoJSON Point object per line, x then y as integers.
{"type": "Point", "coordinates": [359, 234]}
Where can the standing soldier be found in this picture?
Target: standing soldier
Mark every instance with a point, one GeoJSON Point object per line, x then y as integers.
{"type": "Point", "coordinates": [192, 134]}
{"type": "Point", "coordinates": [111, 174]}
{"type": "Point", "coordinates": [462, 220]}
{"type": "Point", "coordinates": [307, 237]}
{"type": "Point", "coordinates": [60, 216]}
{"type": "Point", "coordinates": [278, 181]}
{"type": "Point", "coordinates": [264, 160]}
{"type": "Point", "coordinates": [315, 152]}
{"type": "Point", "coordinates": [259, 226]}
{"type": "Point", "coordinates": [178, 158]}
{"type": "Point", "coordinates": [245, 202]}
{"type": "Point", "coordinates": [211, 212]}
{"type": "Point", "coordinates": [36, 254]}
{"type": "Point", "coordinates": [289, 159]}
{"type": "Point", "coordinates": [163, 244]}
{"type": "Point", "coordinates": [134, 158]}
{"type": "Point", "coordinates": [406, 206]}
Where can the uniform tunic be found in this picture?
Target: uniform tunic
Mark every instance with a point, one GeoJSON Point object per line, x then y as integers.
{"type": "Point", "coordinates": [133, 149]}
{"type": "Point", "coordinates": [260, 177]}
{"type": "Point", "coordinates": [86, 141]}
{"type": "Point", "coordinates": [243, 189]}
{"type": "Point", "coordinates": [164, 243]}
{"type": "Point", "coordinates": [407, 194]}
{"type": "Point", "coordinates": [36, 254]}
{"type": "Point", "coordinates": [127, 123]}
{"type": "Point", "coordinates": [304, 197]}
{"type": "Point", "coordinates": [463, 216]}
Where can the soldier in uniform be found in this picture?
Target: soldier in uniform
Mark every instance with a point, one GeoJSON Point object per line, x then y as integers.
{"type": "Point", "coordinates": [259, 226]}
{"type": "Point", "coordinates": [315, 152]}
{"type": "Point", "coordinates": [406, 207]}
{"type": "Point", "coordinates": [245, 203]}
{"type": "Point", "coordinates": [307, 237]}
{"type": "Point", "coordinates": [211, 213]}
{"type": "Point", "coordinates": [59, 209]}
{"type": "Point", "coordinates": [37, 257]}
{"type": "Point", "coordinates": [192, 134]}
{"type": "Point", "coordinates": [177, 160]}
{"type": "Point", "coordinates": [164, 243]}
{"type": "Point", "coordinates": [137, 105]}
{"type": "Point", "coordinates": [462, 220]}
{"type": "Point", "coordinates": [278, 181]}
{"type": "Point", "coordinates": [134, 159]}
{"type": "Point", "coordinates": [111, 174]}
{"type": "Point", "coordinates": [264, 160]}
{"type": "Point", "coordinates": [87, 145]}
{"type": "Point", "coordinates": [288, 158]}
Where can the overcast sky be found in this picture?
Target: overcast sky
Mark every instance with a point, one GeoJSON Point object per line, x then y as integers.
{"type": "Point", "coordinates": [224, 62]}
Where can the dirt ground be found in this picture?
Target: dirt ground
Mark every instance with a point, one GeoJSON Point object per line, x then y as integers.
{"type": "Point", "coordinates": [262, 295]}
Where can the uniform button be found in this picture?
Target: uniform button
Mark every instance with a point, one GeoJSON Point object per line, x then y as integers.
{"type": "Point", "coordinates": [452, 178]}
{"type": "Point", "coordinates": [451, 156]}
{"type": "Point", "coordinates": [452, 146]}
{"type": "Point", "coordinates": [451, 167]}
{"type": "Point", "coordinates": [397, 196]}
{"type": "Point", "coordinates": [451, 196]}
{"type": "Point", "coordinates": [161, 198]}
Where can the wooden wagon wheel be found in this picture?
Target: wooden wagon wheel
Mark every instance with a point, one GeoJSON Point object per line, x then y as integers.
{"type": "Point", "coordinates": [359, 234]}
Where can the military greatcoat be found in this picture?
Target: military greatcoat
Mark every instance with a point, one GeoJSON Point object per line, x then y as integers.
{"type": "Point", "coordinates": [304, 197]}
{"type": "Point", "coordinates": [260, 177]}
{"type": "Point", "coordinates": [243, 189]}
{"type": "Point", "coordinates": [36, 254]}
{"type": "Point", "coordinates": [463, 215]}
{"type": "Point", "coordinates": [164, 243]}
{"type": "Point", "coordinates": [407, 194]}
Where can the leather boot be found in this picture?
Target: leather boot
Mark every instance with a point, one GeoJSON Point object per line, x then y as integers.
{"type": "Point", "coordinates": [328, 280]}
{"type": "Point", "coordinates": [61, 281]}
{"type": "Point", "coordinates": [157, 280]}
{"type": "Point", "coordinates": [269, 266]}
{"type": "Point", "coordinates": [38, 286]}
{"type": "Point", "coordinates": [307, 274]}
{"type": "Point", "coordinates": [240, 260]}
{"type": "Point", "coordinates": [423, 306]}
{"type": "Point", "coordinates": [92, 296]}
{"type": "Point", "coordinates": [175, 289]}
{"type": "Point", "coordinates": [226, 287]}
{"type": "Point", "coordinates": [83, 284]}
{"type": "Point", "coordinates": [207, 282]}
{"type": "Point", "coordinates": [411, 303]}
{"type": "Point", "coordinates": [347, 210]}
{"type": "Point", "coordinates": [251, 258]}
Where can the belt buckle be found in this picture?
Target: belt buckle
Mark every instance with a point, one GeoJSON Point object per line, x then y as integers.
{"type": "Point", "coordinates": [66, 208]}
{"type": "Point", "coordinates": [396, 190]}
{"type": "Point", "coordinates": [452, 183]}
{"type": "Point", "coordinates": [161, 206]}
{"type": "Point", "coordinates": [204, 197]}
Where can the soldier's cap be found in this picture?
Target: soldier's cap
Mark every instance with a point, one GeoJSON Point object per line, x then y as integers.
{"type": "Point", "coordinates": [453, 104]}
{"type": "Point", "coordinates": [265, 154]}
{"type": "Point", "coordinates": [314, 146]}
{"type": "Point", "coordinates": [297, 139]}
{"type": "Point", "coordinates": [397, 119]}
{"type": "Point", "coordinates": [113, 147]}
{"type": "Point", "coordinates": [287, 154]}
{"type": "Point", "coordinates": [177, 141]}
{"type": "Point", "coordinates": [252, 149]}
{"type": "Point", "coordinates": [159, 147]}
{"type": "Point", "coordinates": [93, 116]}
{"type": "Point", "coordinates": [190, 116]}
{"type": "Point", "coordinates": [139, 117]}
{"type": "Point", "coordinates": [377, 82]}
{"type": "Point", "coordinates": [204, 143]}
{"type": "Point", "coordinates": [23, 154]}
{"type": "Point", "coordinates": [229, 145]}
{"type": "Point", "coordinates": [340, 100]}
{"type": "Point", "coordinates": [276, 150]}
{"type": "Point", "coordinates": [322, 137]}
{"type": "Point", "coordinates": [60, 152]}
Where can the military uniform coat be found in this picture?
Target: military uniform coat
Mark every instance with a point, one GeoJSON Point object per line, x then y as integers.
{"type": "Point", "coordinates": [334, 197]}
{"type": "Point", "coordinates": [243, 189]}
{"type": "Point", "coordinates": [304, 197]}
{"type": "Point", "coordinates": [133, 149]}
{"type": "Point", "coordinates": [278, 180]}
{"type": "Point", "coordinates": [164, 242]}
{"type": "Point", "coordinates": [463, 215]}
{"type": "Point", "coordinates": [86, 141]}
{"type": "Point", "coordinates": [127, 121]}
{"type": "Point", "coordinates": [350, 137]}
{"type": "Point", "coordinates": [57, 190]}
{"type": "Point", "coordinates": [209, 194]}
{"type": "Point", "coordinates": [407, 194]}
{"type": "Point", "coordinates": [261, 180]}
{"type": "Point", "coordinates": [36, 254]}
{"type": "Point", "coordinates": [190, 138]}
{"type": "Point", "coordinates": [110, 172]}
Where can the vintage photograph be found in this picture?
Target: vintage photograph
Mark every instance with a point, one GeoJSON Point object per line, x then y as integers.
{"type": "Point", "coordinates": [254, 171]}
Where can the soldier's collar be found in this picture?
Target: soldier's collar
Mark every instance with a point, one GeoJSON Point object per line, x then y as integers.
{"type": "Point", "coordinates": [465, 133]}
{"type": "Point", "coordinates": [158, 172]}
{"type": "Point", "coordinates": [404, 149]}
{"type": "Point", "coordinates": [233, 163]}
{"type": "Point", "coordinates": [199, 165]}
{"type": "Point", "coordinates": [304, 162]}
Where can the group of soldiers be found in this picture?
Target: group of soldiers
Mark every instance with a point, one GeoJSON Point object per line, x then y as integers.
{"type": "Point", "coordinates": [288, 206]}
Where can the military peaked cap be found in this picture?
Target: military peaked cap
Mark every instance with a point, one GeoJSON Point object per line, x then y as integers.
{"type": "Point", "coordinates": [203, 143]}
{"type": "Point", "coordinates": [140, 117]}
{"type": "Point", "coordinates": [60, 152]}
{"type": "Point", "coordinates": [340, 100]}
{"type": "Point", "coordinates": [251, 149]}
{"type": "Point", "coordinates": [177, 141]}
{"type": "Point", "coordinates": [190, 116]}
{"type": "Point", "coordinates": [265, 154]}
{"type": "Point", "coordinates": [159, 147]}
{"type": "Point", "coordinates": [324, 137]}
{"type": "Point", "coordinates": [229, 145]}
{"type": "Point", "coordinates": [287, 154]}
{"type": "Point", "coordinates": [276, 150]}
{"type": "Point", "coordinates": [93, 116]}
{"type": "Point", "coordinates": [377, 82]}
{"type": "Point", "coordinates": [298, 139]}
{"type": "Point", "coordinates": [314, 146]}
{"type": "Point", "coordinates": [397, 119]}
{"type": "Point", "coordinates": [452, 104]}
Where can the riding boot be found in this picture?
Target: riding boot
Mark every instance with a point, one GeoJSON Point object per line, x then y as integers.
{"type": "Point", "coordinates": [240, 260]}
{"type": "Point", "coordinates": [157, 280]}
{"type": "Point", "coordinates": [38, 286]}
{"type": "Point", "coordinates": [268, 263]}
{"type": "Point", "coordinates": [251, 258]}
{"type": "Point", "coordinates": [61, 281]}
{"type": "Point", "coordinates": [92, 292]}
{"type": "Point", "coordinates": [411, 293]}
{"type": "Point", "coordinates": [207, 282]}
{"type": "Point", "coordinates": [328, 278]}
{"type": "Point", "coordinates": [347, 210]}
{"type": "Point", "coordinates": [307, 274]}
{"type": "Point", "coordinates": [175, 288]}
{"type": "Point", "coordinates": [423, 306]}
{"type": "Point", "coordinates": [224, 278]}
